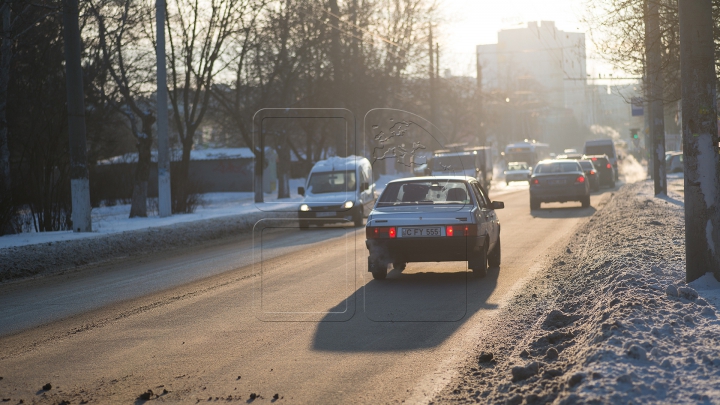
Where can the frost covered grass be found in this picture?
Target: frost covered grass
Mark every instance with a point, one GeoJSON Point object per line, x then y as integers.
{"type": "Point", "coordinates": [609, 321]}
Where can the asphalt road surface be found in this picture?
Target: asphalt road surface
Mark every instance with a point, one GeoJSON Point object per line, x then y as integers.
{"type": "Point", "coordinates": [287, 312]}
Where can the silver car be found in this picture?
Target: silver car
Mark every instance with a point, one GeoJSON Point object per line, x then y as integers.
{"type": "Point", "coordinates": [433, 219]}
{"type": "Point", "coordinates": [517, 171]}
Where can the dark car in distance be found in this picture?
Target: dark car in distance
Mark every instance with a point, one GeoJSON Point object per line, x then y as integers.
{"type": "Point", "coordinates": [605, 169]}
{"type": "Point", "coordinates": [559, 181]}
{"type": "Point", "coordinates": [591, 173]}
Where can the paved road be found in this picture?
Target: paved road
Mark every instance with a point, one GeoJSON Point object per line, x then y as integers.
{"type": "Point", "coordinates": [290, 312]}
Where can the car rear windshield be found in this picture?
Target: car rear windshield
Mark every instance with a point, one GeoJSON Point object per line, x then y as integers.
{"type": "Point", "coordinates": [586, 165]}
{"type": "Point", "coordinates": [599, 161]}
{"type": "Point", "coordinates": [557, 167]}
{"type": "Point", "coordinates": [600, 150]}
{"type": "Point", "coordinates": [424, 192]}
{"type": "Point", "coordinates": [332, 182]}
{"type": "Point", "coordinates": [517, 166]}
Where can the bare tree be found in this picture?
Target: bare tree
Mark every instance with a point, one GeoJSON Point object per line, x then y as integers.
{"type": "Point", "coordinates": [128, 59]}
{"type": "Point", "coordinates": [198, 34]}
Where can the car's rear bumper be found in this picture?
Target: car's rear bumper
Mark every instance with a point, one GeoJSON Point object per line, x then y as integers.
{"type": "Point", "coordinates": [443, 249]}
{"type": "Point", "coordinates": [567, 193]}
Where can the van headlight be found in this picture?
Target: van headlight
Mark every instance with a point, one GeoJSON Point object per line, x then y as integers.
{"type": "Point", "coordinates": [348, 204]}
{"type": "Point", "coordinates": [304, 208]}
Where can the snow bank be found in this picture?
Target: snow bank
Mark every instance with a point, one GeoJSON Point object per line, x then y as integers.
{"type": "Point", "coordinates": [609, 321]}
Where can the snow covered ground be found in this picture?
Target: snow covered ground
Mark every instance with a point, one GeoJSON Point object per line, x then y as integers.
{"type": "Point", "coordinates": [610, 320]}
{"type": "Point", "coordinates": [114, 219]}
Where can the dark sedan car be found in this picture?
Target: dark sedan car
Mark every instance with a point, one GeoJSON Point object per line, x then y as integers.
{"type": "Point", "coordinates": [591, 173]}
{"type": "Point", "coordinates": [605, 169]}
{"type": "Point", "coordinates": [559, 181]}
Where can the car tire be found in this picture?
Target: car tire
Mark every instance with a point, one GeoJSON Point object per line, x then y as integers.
{"type": "Point", "coordinates": [304, 225]}
{"type": "Point", "coordinates": [585, 201]}
{"type": "Point", "coordinates": [378, 271]}
{"type": "Point", "coordinates": [507, 183]}
{"type": "Point", "coordinates": [479, 263]}
{"type": "Point", "coordinates": [400, 266]}
{"type": "Point", "coordinates": [612, 184]}
{"type": "Point", "coordinates": [494, 258]}
{"type": "Point", "coordinates": [358, 218]}
{"type": "Point", "coordinates": [534, 204]}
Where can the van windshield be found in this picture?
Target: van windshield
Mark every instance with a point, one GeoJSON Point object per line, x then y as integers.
{"type": "Point", "coordinates": [600, 150]}
{"type": "Point", "coordinates": [332, 182]}
{"type": "Point", "coordinates": [453, 163]}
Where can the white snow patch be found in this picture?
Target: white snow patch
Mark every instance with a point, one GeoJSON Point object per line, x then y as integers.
{"type": "Point", "coordinates": [114, 219]}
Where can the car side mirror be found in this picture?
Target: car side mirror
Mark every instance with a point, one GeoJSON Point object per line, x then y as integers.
{"type": "Point", "coordinates": [364, 186]}
{"type": "Point", "coordinates": [498, 205]}
{"type": "Point", "coordinates": [301, 191]}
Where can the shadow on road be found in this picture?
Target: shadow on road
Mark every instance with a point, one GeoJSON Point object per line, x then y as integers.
{"type": "Point", "coordinates": [408, 311]}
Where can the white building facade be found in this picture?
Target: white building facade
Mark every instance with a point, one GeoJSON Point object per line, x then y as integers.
{"type": "Point", "coordinates": [544, 70]}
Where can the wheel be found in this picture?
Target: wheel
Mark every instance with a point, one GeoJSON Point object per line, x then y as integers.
{"type": "Point", "coordinates": [399, 266]}
{"type": "Point", "coordinates": [585, 201]}
{"type": "Point", "coordinates": [507, 183]}
{"type": "Point", "coordinates": [612, 184]}
{"type": "Point", "coordinates": [494, 256]}
{"type": "Point", "coordinates": [479, 263]}
{"type": "Point", "coordinates": [534, 204]}
{"type": "Point", "coordinates": [378, 271]}
{"type": "Point", "coordinates": [304, 225]}
{"type": "Point", "coordinates": [358, 218]}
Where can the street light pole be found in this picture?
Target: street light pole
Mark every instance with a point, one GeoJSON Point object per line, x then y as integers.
{"type": "Point", "coordinates": [164, 196]}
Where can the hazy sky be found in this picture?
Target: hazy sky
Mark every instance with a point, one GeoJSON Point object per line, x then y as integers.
{"type": "Point", "coordinates": [472, 22]}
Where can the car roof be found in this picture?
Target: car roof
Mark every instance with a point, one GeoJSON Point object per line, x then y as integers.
{"type": "Point", "coordinates": [604, 156]}
{"type": "Point", "coordinates": [433, 178]}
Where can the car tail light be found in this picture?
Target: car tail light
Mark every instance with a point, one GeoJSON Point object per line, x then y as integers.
{"type": "Point", "coordinates": [535, 181]}
{"type": "Point", "coordinates": [580, 179]}
{"type": "Point", "coordinates": [373, 232]}
{"type": "Point", "coordinates": [594, 159]}
{"type": "Point", "coordinates": [592, 172]}
{"type": "Point", "coordinates": [461, 230]}
{"type": "Point", "coordinates": [609, 166]}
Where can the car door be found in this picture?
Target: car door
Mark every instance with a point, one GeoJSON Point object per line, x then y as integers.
{"type": "Point", "coordinates": [481, 214]}
{"type": "Point", "coordinates": [489, 214]}
{"type": "Point", "coordinates": [367, 196]}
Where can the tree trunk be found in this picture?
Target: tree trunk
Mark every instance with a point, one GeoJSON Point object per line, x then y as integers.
{"type": "Point", "coordinates": [183, 186]}
{"type": "Point", "coordinates": [142, 170]}
{"type": "Point", "coordinates": [283, 167]}
{"type": "Point", "coordinates": [700, 139]}
{"type": "Point", "coordinates": [7, 208]}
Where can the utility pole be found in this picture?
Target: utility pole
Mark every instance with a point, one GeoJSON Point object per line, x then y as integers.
{"type": "Point", "coordinates": [655, 92]}
{"type": "Point", "coordinates": [79, 178]}
{"type": "Point", "coordinates": [700, 139]}
{"type": "Point", "coordinates": [164, 196]}
{"type": "Point", "coordinates": [479, 102]}
{"type": "Point", "coordinates": [431, 72]}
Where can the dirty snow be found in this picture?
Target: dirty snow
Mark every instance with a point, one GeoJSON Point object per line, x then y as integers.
{"type": "Point", "coordinates": [610, 320]}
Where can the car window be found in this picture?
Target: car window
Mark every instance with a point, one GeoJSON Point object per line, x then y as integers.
{"type": "Point", "coordinates": [331, 182]}
{"type": "Point", "coordinates": [483, 201]}
{"type": "Point", "coordinates": [557, 167]}
{"type": "Point", "coordinates": [586, 164]}
{"type": "Point", "coordinates": [425, 192]}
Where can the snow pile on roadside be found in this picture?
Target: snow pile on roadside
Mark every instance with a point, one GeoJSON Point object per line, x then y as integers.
{"type": "Point", "coordinates": [610, 321]}
{"type": "Point", "coordinates": [30, 260]}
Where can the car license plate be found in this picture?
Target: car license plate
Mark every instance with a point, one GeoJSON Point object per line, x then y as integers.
{"type": "Point", "coordinates": [557, 182]}
{"type": "Point", "coordinates": [420, 232]}
{"type": "Point", "coordinates": [325, 214]}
